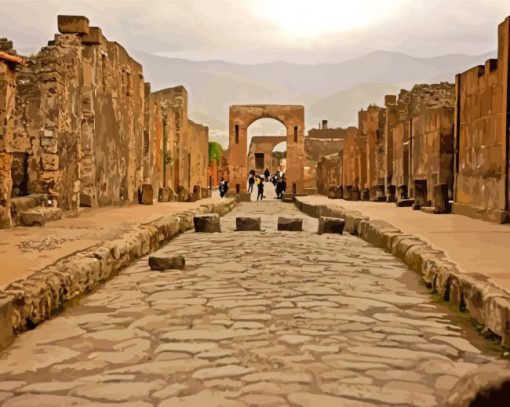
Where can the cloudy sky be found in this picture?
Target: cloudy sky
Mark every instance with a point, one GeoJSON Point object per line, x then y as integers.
{"type": "Point", "coordinates": [254, 31]}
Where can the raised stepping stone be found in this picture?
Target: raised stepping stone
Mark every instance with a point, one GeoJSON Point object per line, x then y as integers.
{"type": "Point", "coordinates": [290, 224]}
{"type": "Point", "coordinates": [331, 225]}
{"type": "Point", "coordinates": [161, 263]}
{"type": "Point", "coordinates": [288, 198]}
{"type": "Point", "coordinates": [247, 223]}
{"type": "Point", "coordinates": [39, 216]}
{"type": "Point", "coordinates": [208, 223]}
{"type": "Point", "coordinates": [427, 209]}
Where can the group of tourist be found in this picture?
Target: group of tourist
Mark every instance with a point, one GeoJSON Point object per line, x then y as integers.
{"type": "Point", "coordinates": [278, 180]}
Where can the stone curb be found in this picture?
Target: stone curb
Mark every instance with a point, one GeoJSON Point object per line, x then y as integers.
{"type": "Point", "coordinates": [41, 295]}
{"type": "Point", "coordinates": [487, 303]}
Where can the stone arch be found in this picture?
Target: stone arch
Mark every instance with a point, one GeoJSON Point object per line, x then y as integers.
{"type": "Point", "coordinates": [241, 117]}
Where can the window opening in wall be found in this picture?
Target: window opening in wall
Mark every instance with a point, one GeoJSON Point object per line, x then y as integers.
{"type": "Point", "coordinates": [295, 134]}
{"type": "Point", "coordinates": [237, 134]}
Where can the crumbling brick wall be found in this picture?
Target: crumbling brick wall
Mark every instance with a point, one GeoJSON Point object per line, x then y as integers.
{"type": "Point", "coordinates": [80, 119]}
{"type": "Point", "coordinates": [481, 136]}
{"type": "Point", "coordinates": [329, 173]}
{"type": "Point", "coordinates": [351, 160]}
{"type": "Point", "coordinates": [432, 148]}
{"type": "Point", "coordinates": [8, 61]}
{"type": "Point", "coordinates": [398, 126]}
{"type": "Point", "coordinates": [315, 148]}
{"type": "Point", "coordinates": [371, 126]}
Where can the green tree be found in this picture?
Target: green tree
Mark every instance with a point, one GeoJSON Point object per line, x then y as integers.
{"type": "Point", "coordinates": [215, 151]}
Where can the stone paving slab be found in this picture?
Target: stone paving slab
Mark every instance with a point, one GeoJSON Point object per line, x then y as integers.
{"type": "Point", "coordinates": [258, 318]}
{"type": "Point", "coordinates": [487, 302]}
{"type": "Point", "coordinates": [41, 294]}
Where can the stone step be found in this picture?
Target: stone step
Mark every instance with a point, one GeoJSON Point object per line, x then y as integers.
{"type": "Point", "coordinates": [207, 223]}
{"type": "Point", "coordinates": [290, 224]}
{"type": "Point", "coordinates": [245, 223]}
{"type": "Point", "coordinates": [40, 216]}
{"type": "Point", "coordinates": [331, 225]}
{"type": "Point", "coordinates": [162, 263]}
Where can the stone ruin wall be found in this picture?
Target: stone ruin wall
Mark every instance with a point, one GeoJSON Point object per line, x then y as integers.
{"type": "Point", "coordinates": [351, 161]}
{"type": "Point", "coordinates": [264, 145]}
{"type": "Point", "coordinates": [318, 143]}
{"type": "Point", "coordinates": [410, 104]}
{"type": "Point", "coordinates": [482, 135]}
{"type": "Point", "coordinates": [87, 131]}
{"type": "Point", "coordinates": [371, 126]}
{"type": "Point", "coordinates": [432, 149]}
{"type": "Point", "coordinates": [7, 101]}
{"type": "Point", "coordinates": [329, 174]}
{"type": "Point", "coordinates": [79, 120]}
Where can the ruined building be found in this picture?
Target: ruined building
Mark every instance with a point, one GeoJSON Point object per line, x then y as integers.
{"type": "Point", "coordinates": [8, 62]}
{"type": "Point", "coordinates": [371, 129]}
{"type": "Point", "coordinates": [260, 153]}
{"type": "Point", "coordinates": [87, 131]}
{"type": "Point", "coordinates": [400, 116]}
{"type": "Point", "coordinates": [329, 175]}
{"type": "Point", "coordinates": [318, 143]}
{"type": "Point", "coordinates": [482, 176]}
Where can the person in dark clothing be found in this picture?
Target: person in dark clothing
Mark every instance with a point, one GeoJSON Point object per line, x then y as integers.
{"type": "Point", "coordinates": [260, 189]}
{"type": "Point", "coordinates": [278, 189]}
{"type": "Point", "coordinates": [266, 175]}
{"type": "Point", "coordinates": [284, 186]}
{"type": "Point", "coordinates": [251, 181]}
{"type": "Point", "coordinates": [223, 187]}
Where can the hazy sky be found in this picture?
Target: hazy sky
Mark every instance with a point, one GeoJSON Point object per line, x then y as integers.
{"type": "Point", "coordinates": [253, 31]}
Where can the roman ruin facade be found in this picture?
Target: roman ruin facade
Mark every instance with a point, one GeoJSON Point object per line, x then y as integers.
{"type": "Point", "coordinates": [318, 143]}
{"type": "Point", "coordinates": [8, 62]}
{"type": "Point", "coordinates": [329, 175]}
{"type": "Point", "coordinates": [85, 130]}
{"type": "Point", "coordinates": [260, 153]}
{"type": "Point", "coordinates": [241, 117]}
{"type": "Point", "coordinates": [482, 137]}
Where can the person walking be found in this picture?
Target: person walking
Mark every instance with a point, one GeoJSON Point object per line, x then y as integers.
{"type": "Point", "coordinates": [251, 181]}
{"type": "Point", "coordinates": [260, 189]}
{"type": "Point", "coordinates": [266, 175]}
{"type": "Point", "coordinates": [223, 187]}
{"type": "Point", "coordinates": [284, 186]}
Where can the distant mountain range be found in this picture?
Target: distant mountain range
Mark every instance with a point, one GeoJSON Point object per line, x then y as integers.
{"type": "Point", "coordinates": [333, 91]}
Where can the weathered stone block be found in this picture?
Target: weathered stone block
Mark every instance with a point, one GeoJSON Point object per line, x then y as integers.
{"type": "Point", "coordinates": [40, 215]}
{"type": "Point", "coordinates": [162, 263]}
{"type": "Point", "coordinates": [73, 24]}
{"type": "Point", "coordinates": [365, 194]}
{"type": "Point", "coordinates": [247, 223]}
{"type": "Point", "coordinates": [288, 198]}
{"type": "Point", "coordinates": [208, 223]}
{"type": "Point", "coordinates": [146, 194]}
{"type": "Point", "coordinates": [290, 224]}
{"type": "Point", "coordinates": [401, 203]}
{"type": "Point", "coordinates": [391, 193]}
{"type": "Point", "coordinates": [331, 225]}
{"type": "Point", "coordinates": [94, 37]}
{"type": "Point", "coordinates": [164, 195]}
{"type": "Point", "coordinates": [441, 200]}
{"type": "Point", "coordinates": [49, 162]}
{"type": "Point", "coordinates": [6, 330]}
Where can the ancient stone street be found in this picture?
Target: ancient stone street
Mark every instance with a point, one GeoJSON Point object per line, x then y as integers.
{"type": "Point", "coordinates": [255, 319]}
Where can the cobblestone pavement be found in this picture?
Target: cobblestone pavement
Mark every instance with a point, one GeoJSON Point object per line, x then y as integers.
{"type": "Point", "coordinates": [256, 319]}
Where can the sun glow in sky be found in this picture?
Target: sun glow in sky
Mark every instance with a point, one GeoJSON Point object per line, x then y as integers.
{"type": "Point", "coordinates": [305, 18]}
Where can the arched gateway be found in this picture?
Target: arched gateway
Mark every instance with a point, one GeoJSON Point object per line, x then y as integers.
{"type": "Point", "coordinates": [240, 118]}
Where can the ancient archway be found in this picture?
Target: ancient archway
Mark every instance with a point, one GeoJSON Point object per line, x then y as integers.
{"type": "Point", "coordinates": [240, 118]}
